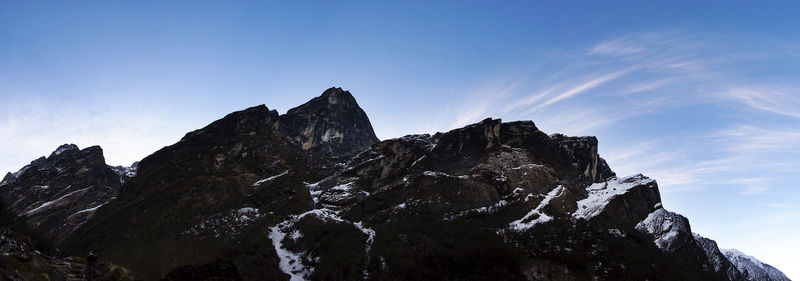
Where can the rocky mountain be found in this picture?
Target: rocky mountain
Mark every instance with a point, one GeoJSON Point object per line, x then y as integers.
{"type": "Point", "coordinates": [312, 194]}
{"type": "Point", "coordinates": [60, 192]}
{"type": "Point", "coordinates": [752, 268]}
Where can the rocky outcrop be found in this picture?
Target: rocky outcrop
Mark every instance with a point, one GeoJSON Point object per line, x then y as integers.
{"type": "Point", "coordinates": [60, 192]}
{"type": "Point", "coordinates": [619, 203]}
{"type": "Point", "coordinates": [126, 173]}
{"type": "Point", "coordinates": [8, 178]}
{"type": "Point", "coordinates": [669, 231]}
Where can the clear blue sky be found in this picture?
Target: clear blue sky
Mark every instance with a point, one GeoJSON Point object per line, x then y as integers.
{"type": "Point", "coordinates": [703, 97]}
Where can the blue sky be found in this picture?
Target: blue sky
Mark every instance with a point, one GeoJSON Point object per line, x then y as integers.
{"type": "Point", "coordinates": [703, 97]}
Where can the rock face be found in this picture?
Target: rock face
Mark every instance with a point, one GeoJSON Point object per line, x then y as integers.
{"type": "Point", "coordinates": [58, 193]}
{"type": "Point", "coordinates": [751, 268]}
{"type": "Point", "coordinates": [718, 260]}
{"type": "Point", "coordinates": [313, 195]}
{"type": "Point", "coordinates": [332, 124]}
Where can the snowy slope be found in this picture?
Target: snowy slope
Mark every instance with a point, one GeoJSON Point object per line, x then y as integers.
{"type": "Point", "coordinates": [752, 268]}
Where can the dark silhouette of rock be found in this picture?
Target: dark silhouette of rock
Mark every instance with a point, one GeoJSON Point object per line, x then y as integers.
{"type": "Point", "coordinates": [58, 193]}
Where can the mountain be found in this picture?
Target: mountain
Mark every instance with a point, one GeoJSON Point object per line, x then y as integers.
{"type": "Point", "coordinates": [752, 268]}
{"type": "Point", "coordinates": [60, 192]}
{"type": "Point", "coordinates": [312, 194]}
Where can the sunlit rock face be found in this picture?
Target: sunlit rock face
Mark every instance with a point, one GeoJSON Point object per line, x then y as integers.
{"type": "Point", "coordinates": [332, 124]}
{"type": "Point", "coordinates": [313, 195]}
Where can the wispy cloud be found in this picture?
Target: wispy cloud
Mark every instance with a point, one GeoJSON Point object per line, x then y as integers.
{"type": "Point", "coordinates": [746, 138]}
{"type": "Point", "coordinates": [583, 87]}
{"type": "Point", "coordinates": [479, 104]}
{"type": "Point", "coordinates": [777, 100]}
{"type": "Point", "coordinates": [594, 89]}
{"type": "Point", "coordinates": [745, 157]}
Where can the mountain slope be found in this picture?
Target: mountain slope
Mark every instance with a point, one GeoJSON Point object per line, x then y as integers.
{"type": "Point", "coordinates": [752, 268]}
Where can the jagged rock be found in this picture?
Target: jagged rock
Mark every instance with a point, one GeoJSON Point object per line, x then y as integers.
{"type": "Point", "coordinates": [719, 262]}
{"type": "Point", "coordinates": [58, 193]}
{"type": "Point", "coordinates": [670, 231]}
{"type": "Point", "coordinates": [8, 178]}
{"type": "Point", "coordinates": [583, 152]}
{"type": "Point", "coordinates": [126, 173]}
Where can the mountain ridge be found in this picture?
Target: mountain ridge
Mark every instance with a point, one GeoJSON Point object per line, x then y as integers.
{"type": "Point", "coordinates": [313, 194]}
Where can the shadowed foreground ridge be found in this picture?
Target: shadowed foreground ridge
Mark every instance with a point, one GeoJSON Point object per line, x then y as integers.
{"type": "Point", "coordinates": [314, 195]}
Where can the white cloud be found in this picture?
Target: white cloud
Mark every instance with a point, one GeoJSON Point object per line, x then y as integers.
{"type": "Point", "coordinates": [777, 100]}
{"type": "Point", "coordinates": [482, 101]}
{"type": "Point", "coordinates": [585, 86]}
{"type": "Point", "coordinates": [746, 138]}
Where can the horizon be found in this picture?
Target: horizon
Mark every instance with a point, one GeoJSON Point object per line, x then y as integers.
{"type": "Point", "coordinates": [703, 98]}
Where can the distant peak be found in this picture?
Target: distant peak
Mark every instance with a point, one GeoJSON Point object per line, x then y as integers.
{"type": "Point", "coordinates": [9, 177]}
{"type": "Point", "coordinates": [65, 147]}
{"type": "Point", "coordinates": [335, 99]}
{"type": "Point", "coordinates": [336, 92]}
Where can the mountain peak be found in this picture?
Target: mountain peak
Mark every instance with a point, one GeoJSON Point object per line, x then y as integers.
{"type": "Point", "coordinates": [9, 176]}
{"type": "Point", "coordinates": [332, 122]}
{"type": "Point", "coordinates": [64, 148]}
{"type": "Point", "coordinates": [333, 99]}
{"type": "Point", "coordinates": [335, 95]}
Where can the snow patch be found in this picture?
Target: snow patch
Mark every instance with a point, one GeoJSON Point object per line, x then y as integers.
{"type": "Point", "coordinates": [271, 178]}
{"type": "Point", "coordinates": [46, 204]}
{"type": "Point", "coordinates": [664, 226]}
{"type": "Point", "coordinates": [485, 209]}
{"type": "Point", "coordinates": [415, 162]}
{"type": "Point", "coordinates": [92, 209]}
{"type": "Point", "coordinates": [292, 263]}
{"type": "Point", "coordinates": [441, 174]}
{"type": "Point", "coordinates": [528, 221]}
{"type": "Point", "coordinates": [528, 166]}
{"type": "Point", "coordinates": [600, 194]}
{"type": "Point", "coordinates": [22, 171]}
{"type": "Point", "coordinates": [63, 148]}
{"type": "Point", "coordinates": [736, 254]}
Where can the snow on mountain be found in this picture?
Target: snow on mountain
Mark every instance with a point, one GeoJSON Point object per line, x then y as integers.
{"type": "Point", "coordinates": [125, 173]}
{"type": "Point", "coordinates": [600, 194]}
{"type": "Point", "coordinates": [718, 261]}
{"type": "Point", "coordinates": [529, 220]}
{"type": "Point", "coordinates": [752, 268]}
{"type": "Point", "coordinates": [665, 227]}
